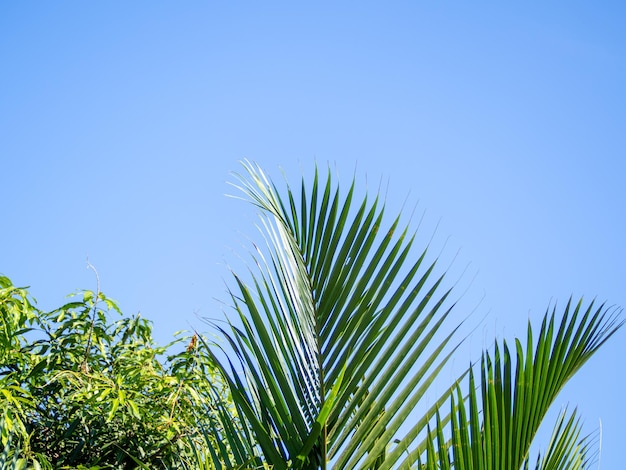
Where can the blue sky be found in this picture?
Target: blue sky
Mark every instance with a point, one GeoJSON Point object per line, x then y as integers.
{"type": "Point", "coordinates": [120, 123]}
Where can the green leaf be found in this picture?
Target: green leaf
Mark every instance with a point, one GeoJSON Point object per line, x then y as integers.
{"type": "Point", "coordinates": [337, 313]}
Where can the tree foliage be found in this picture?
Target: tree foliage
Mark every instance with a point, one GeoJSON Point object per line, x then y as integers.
{"type": "Point", "coordinates": [342, 332]}
{"type": "Point", "coordinates": [333, 358]}
{"type": "Point", "coordinates": [83, 390]}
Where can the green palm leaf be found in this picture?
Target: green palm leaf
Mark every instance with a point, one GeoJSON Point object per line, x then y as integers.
{"type": "Point", "coordinates": [514, 402]}
{"type": "Point", "coordinates": [335, 335]}
{"type": "Point", "coordinates": [342, 333]}
{"type": "Point", "coordinates": [567, 449]}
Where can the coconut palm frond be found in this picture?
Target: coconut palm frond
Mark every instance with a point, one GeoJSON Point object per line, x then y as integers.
{"type": "Point", "coordinates": [338, 338]}
{"type": "Point", "coordinates": [495, 426]}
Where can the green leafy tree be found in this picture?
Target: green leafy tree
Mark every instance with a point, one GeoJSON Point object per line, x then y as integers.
{"type": "Point", "coordinates": [343, 332]}
{"type": "Point", "coordinates": [83, 391]}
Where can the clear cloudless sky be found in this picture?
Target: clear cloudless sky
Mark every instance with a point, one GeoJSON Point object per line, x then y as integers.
{"type": "Point", "coordinates": [120, 123]}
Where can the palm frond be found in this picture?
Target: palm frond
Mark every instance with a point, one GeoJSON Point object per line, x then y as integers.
{"type": "Point", "coordinates": [567, 448]}
{"type": "Point", "coordinates": [335, 334]}
{"type": "Point", "coordinates": [342, 333]}
{"type": "Point", "coordinates": [495, 427]}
